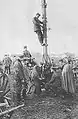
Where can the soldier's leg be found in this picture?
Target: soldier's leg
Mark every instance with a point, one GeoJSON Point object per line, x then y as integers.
{"type": "Point", "coordinates": [24, 93]}
{"type": "Point", "coordinates": [9, 69]}
{"type": "Point", "coordinates": [5, 69]}
{"type": "Point", "coordinates": [38, 88]}
{"type": "Point", "coordinates": [40, 36]}
{"type": "Point", "coordinates": [18, 97]}
{"type": "Point", "coordinates": [18, 92]}
{"type": "Point", "coordinates": [13, 98]}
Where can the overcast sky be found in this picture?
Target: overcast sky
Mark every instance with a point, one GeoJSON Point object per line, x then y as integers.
{"type": "Point", "coordinates": [16, 27]}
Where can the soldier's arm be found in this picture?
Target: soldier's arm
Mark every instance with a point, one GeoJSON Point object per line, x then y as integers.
{"type": "Point", "coordinates": [52, 78]}
{"type": "Point", "coordinates": [10, 61]}
{"type": "Point", "coordinates": [40, 22]}
{"type": "Point", "coordinates": [3, 60]}
{"type": "Point", "coordinates": [41, 26]}
{"type": "Point", "coordinates": [37, 21]}
{"type": "Point", "coordinates": [29, 53]}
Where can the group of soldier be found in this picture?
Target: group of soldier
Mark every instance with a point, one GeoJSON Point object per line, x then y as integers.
{"type": "Point", "coordinates": [16, 68]}
{"type": "Point", "coordinates": [24, 80]}
{"type": "Point", "coordinates": [27, 77]}
{"type": "Point", "coordinates": [63, 79]}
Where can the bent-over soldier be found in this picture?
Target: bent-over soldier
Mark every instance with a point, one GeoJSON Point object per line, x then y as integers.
{"type": "Point", "coordinates": [17, 77]}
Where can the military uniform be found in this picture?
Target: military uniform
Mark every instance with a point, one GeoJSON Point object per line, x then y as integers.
{"type": "Point", "coordinates": [7, 63]}
{"type": "Point", "coordinates": [26, 53]}
{"type": "Point", "coordinates": [68, 83]}
{"type": "Point", "coordinates": [27, 56]}
{"type": "Point", "coordinates": [17, 76]}
{"type": "Point", "coordinates": [37, 28]}
{"type": "Point", "coordinates": [35, 78]}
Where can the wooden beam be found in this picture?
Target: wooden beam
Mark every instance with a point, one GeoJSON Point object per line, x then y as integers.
{"type": "Point", "coordinates": [2, 104]}
{"type": "Point", "coordinates": [10, 110]}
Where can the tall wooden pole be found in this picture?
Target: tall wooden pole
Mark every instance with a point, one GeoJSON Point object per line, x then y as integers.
{"type": "Point", "coordinates": [44, 17]}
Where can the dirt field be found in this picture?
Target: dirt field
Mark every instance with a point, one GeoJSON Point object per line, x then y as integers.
{"type": "Point", "coordinates": [48, 107]}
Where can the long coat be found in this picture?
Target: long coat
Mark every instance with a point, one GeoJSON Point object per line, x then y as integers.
{"type": "Point", "coordinates": [68, 79]}
{"type": "Point", "coordinates": [16, 77]}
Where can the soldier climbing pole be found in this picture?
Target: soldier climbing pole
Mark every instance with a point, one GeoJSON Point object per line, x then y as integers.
{"type": "Point", "coordinates": [45, 58]}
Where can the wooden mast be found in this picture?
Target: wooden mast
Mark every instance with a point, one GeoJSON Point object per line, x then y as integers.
{"type": "Point", "coordinates": [44, 17]}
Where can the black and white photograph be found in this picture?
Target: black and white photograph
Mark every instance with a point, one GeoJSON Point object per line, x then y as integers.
{"type": "Point", "coordinates": [38, 59]}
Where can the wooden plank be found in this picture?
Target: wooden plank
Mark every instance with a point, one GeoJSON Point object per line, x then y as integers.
{"type": "Point", "coordinates": [10, 110]}
{"type": "Point", "coordinates": [2, 104]}
{"type": "Point", "coordinates": [4, 93]}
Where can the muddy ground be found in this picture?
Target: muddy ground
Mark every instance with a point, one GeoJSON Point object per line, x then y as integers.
{"type": "Point", "coordinates": [48, 107]}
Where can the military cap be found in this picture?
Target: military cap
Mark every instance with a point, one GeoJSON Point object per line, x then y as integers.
{"type": "Point", "coordinates": [38, 14]}
{"type": "Point", "coordinates": [25, 46]}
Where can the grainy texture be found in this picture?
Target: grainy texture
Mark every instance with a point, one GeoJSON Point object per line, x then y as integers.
{"type": "Point", "coordinates": [48, 107]}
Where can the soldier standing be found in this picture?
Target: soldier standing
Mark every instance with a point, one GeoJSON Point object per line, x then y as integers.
{"type": "Point", "coordinates": [68, 83]}
{"type": "Point", "coordinates": [38, 27]}
{"type": "Point", "coordinates": [35, 75]}
{"type": "Point", "coordinates": [26, 53]}
{"type": "Point", "coordinates": [7, 63]}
